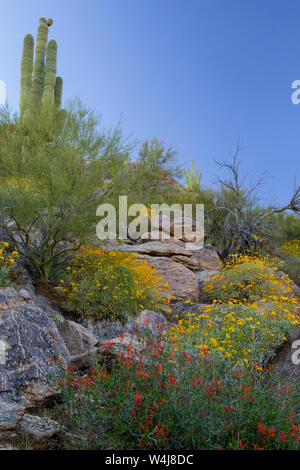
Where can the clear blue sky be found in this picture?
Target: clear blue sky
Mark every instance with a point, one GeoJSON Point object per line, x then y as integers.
{"type": "Point", "coordinates": [195, 73]}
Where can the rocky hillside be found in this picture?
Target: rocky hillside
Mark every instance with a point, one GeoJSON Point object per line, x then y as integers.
{"type": "Point", "coordinates": [37, 340]}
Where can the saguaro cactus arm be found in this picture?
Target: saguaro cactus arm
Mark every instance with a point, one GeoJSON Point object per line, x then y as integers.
{"type": "Point", "coordinates": [50, 74]}
{"type": "Point", "coordinates": [58, 91]}
{"type": "Point", "coordinates": [26, 72]}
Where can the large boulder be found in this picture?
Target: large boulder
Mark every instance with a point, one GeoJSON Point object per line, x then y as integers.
{"type": "Point", "coordinates": [205, 259]}
{"type": "Point", "coordinates": [186, 253]}
{"type": "Point", "coordinates": [182, 281]}
{"type": "Point", "coordinates": [31, 349]}
{"type": "Point", "coordinates": [146, 320]}
{"type": "Point", "coordinates": [156, 235]}
{"type": "Point", "coordinates": [203, 277]}
{"type": "Point", "coordinates": [151, 321]}
{"type": "Point", "coordinates": [37, 428]}
{"type": "Point", "coordinates": [4, 237]}
{"type": "Point", "coordinates": [104, 329]}
{"type": "Point", "coordinates": [287, 361]}
{"type": "Point", "coordinates": [158, 248]}
{"type": "Point", "coordinates": [77, 338]}
{"type": "Point", "coordinates": [10, 415]}
{"type": "Point", "coordinates": [186, 229]}
{"type": "Point", "coordinates": [106, 352]}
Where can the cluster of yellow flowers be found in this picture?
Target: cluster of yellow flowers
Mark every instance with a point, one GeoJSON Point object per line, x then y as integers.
{"type": "Point", "coordinates": [247, 279]}
{"type": "Point", "coordinates": [241, 258]}
{"type": "Point", "coordinates": [7, 258]}
{"type": "Point", "coordinates": [240, 330]}
{"type": "Point", "coordinates": [8, 272]}
{"type": "Point", "coordinates": [290, 248]}
{"type": "Point", "coordinates": [115, 279]}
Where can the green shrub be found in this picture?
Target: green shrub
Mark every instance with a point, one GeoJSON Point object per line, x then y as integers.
{"type": "Point", "coordinates": [239, 333]}
{"type": "Point", "coordinates": [289, 251]}
{"type": "Point", "coordinates": [7, 262]}
{"type": "Point", "coordinates": [49, 182]}
{"type": "Point", "coordinates": [111, 284]}
{"type": "Point", "coordinates": [5, 277]}
{"type": "Point", "coordinates": [247, 281]}
{"type": "Point", "coordinates": [291, 267]}
{"type": "Point", "coordinates": [176, 401]}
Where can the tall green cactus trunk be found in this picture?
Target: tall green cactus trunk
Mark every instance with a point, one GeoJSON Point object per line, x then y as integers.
{"type": "Point", "coordinates": [26, 73]}
{"type": "Point", "coordinates": [50, 75]}
{"type": "Point", "coordinates": [40, 88]}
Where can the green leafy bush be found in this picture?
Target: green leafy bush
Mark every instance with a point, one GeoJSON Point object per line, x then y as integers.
{"type": "Point", "coordinates": [291, 267]}
{"type": "Point", "coordinates": [111, 284]}
{"type": "Point", "coordinates": [239, 333]}
{"type": "Point", "coordinates": [176, 401]}
{"type": "Point", "coordinates": [249, 279]}
{"type": "Point", "coordinates": [5, 277]}
{"type": "Point", "coordinates": [50, 177]}
{"type": "Point", "coordinates": [289, 251]}
{"type": "Point", "coordinates": [7, 262]}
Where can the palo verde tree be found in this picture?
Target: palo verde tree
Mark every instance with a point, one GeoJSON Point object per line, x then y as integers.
{"type": "Point", "coordinates": [150, 177]}
{"type": "Point", "coordinates": [51, 168]}
{"type": "Point", "coordinates": [50, 189]}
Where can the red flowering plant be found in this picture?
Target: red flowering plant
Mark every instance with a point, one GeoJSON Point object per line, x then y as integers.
{"type": "Point", "coordinates": [163, 399]}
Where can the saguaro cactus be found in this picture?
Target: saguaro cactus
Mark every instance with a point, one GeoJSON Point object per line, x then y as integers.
{"type": "Point", "coordinates": [39, 85]}
{"type": "Point", "coordinates": [192, 180]}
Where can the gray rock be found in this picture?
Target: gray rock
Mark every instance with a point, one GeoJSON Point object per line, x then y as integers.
{"type": "Point", "coordinates": [158, 248]}
{"type": "Point", "coordinates": [8, 447]}
{"type": "Point", "coordinates": [5, 238]}
{"type": "Point", "coordinates": [24, 294]}
{"type": "Point", "coordinates": [109, 350]}
{"type": "Point", "coordinates": [205, 259]}
{"type": "Point", "coordinates": [182, 281]}
{"type": "Point", "coordinates": [10, 415]}
{"type": "Point", "coordinates": [155, 322]}
{"type": "Point", "coordinates": [37, 428]}
{"type": "Point", "coordinates": [202, 277]}
{"type": "Point", "coordinates": [31, 345]}
{"type": "Point", "coordinates": [77, 338]}
{"type": "Point", "coordinates": [7, 297]}
{"type": "Point", "coordinates": [147, 319]}
{"type": "Point", "coordinates": [51, 309]}
{"type": "Point", "coordinates": [295, 290]}
{"type": "Point", "coordinates": [284, 364]}
{"type": "Point", "coordinates": [104, 329]}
